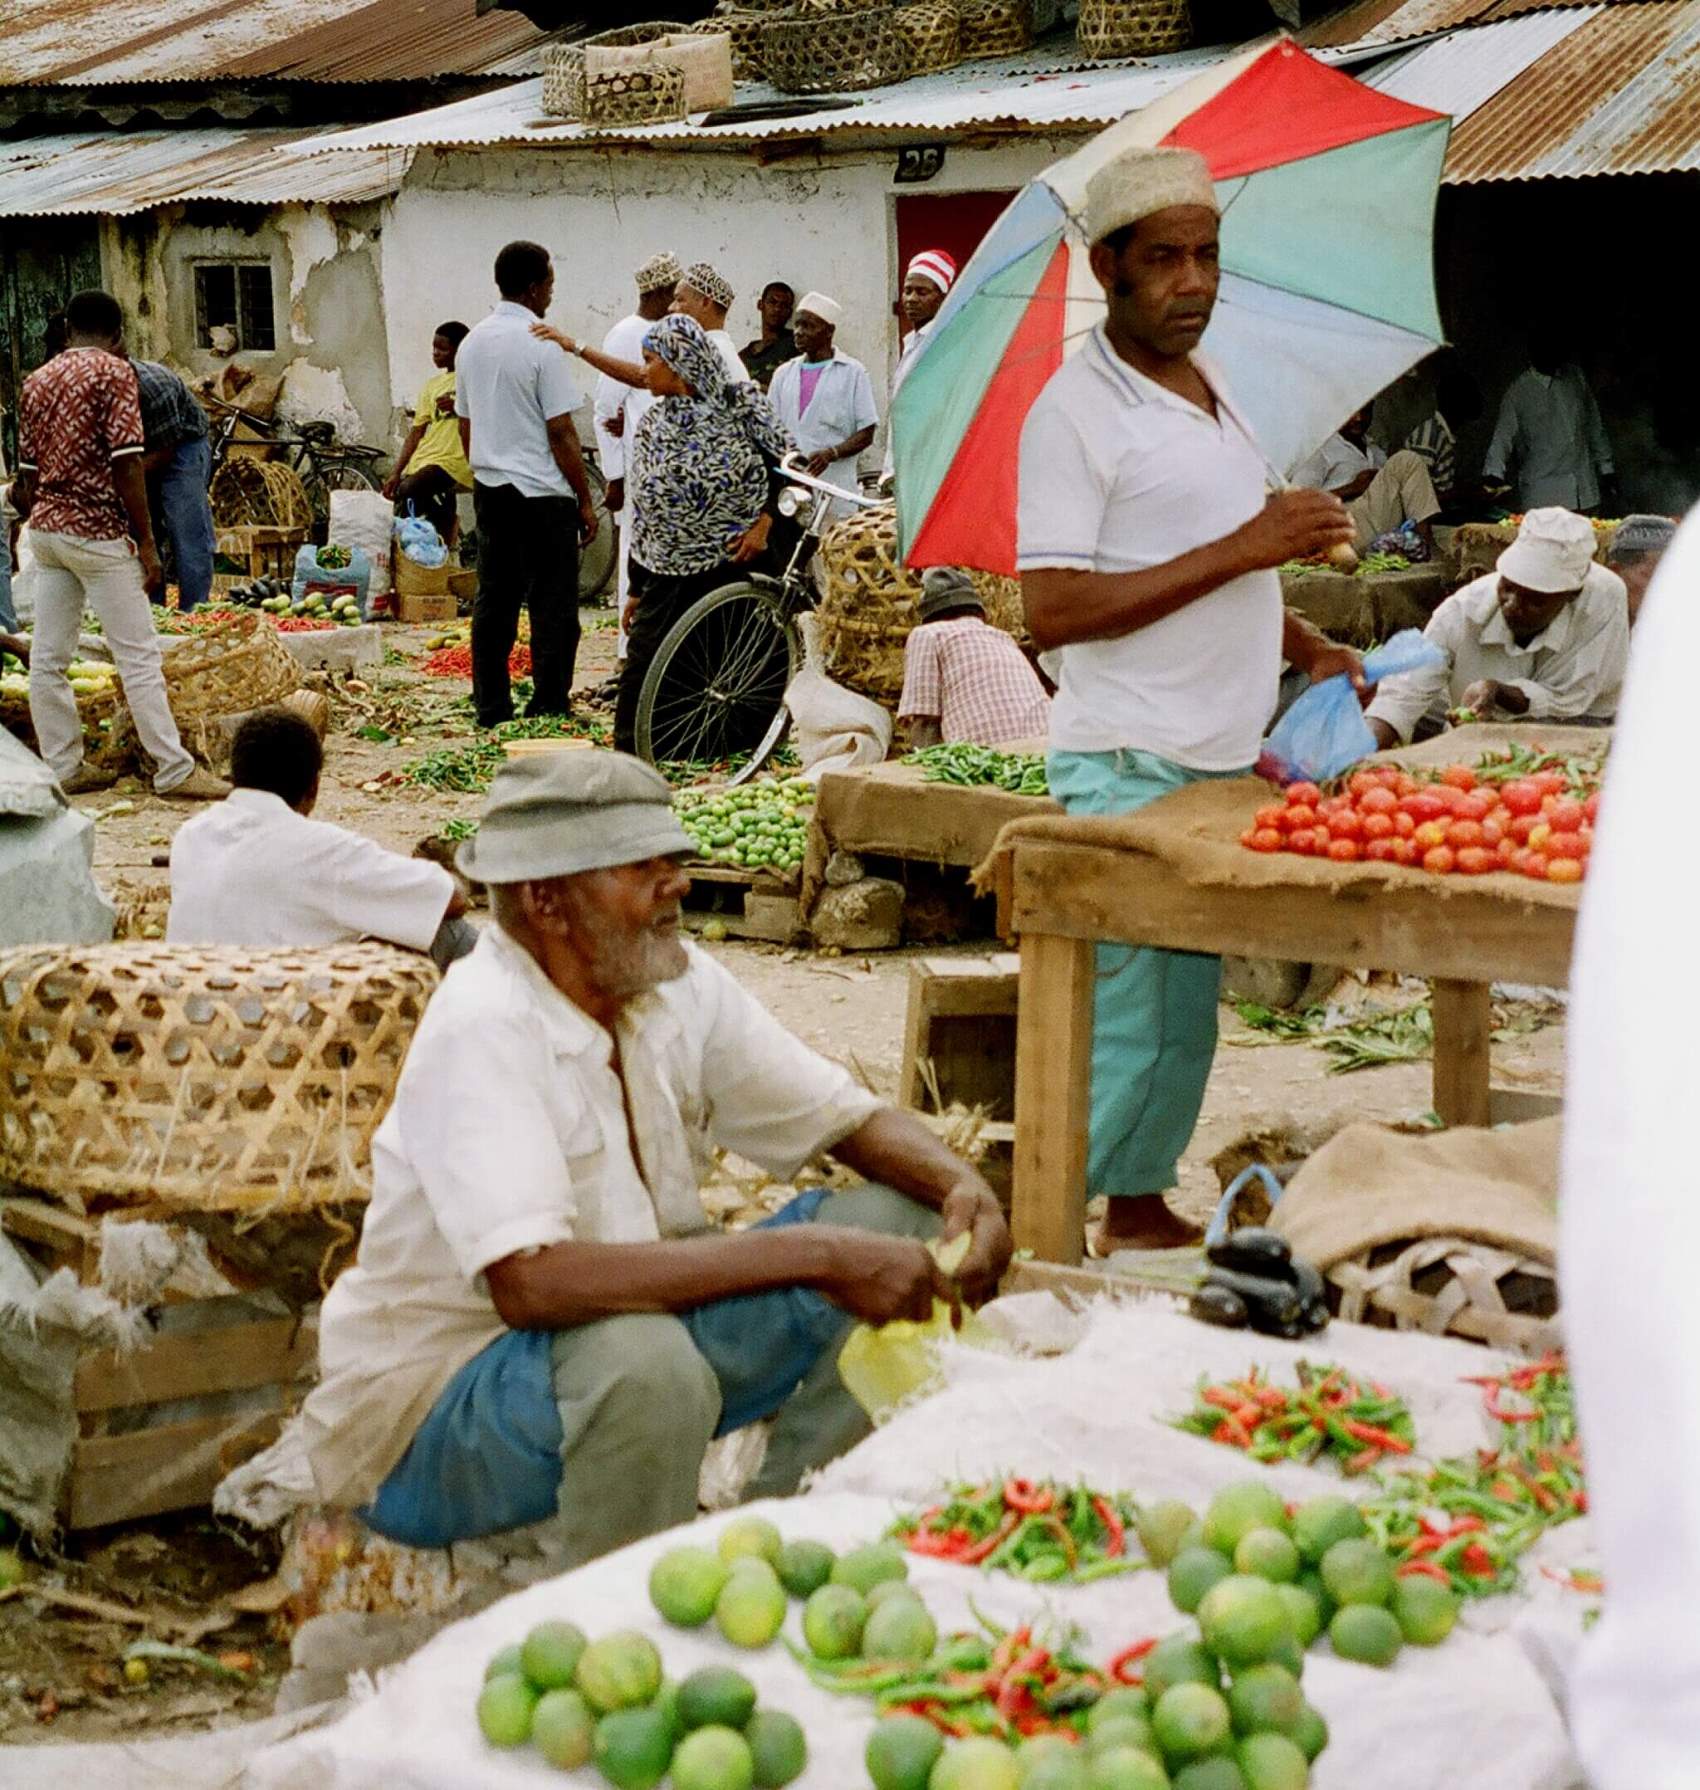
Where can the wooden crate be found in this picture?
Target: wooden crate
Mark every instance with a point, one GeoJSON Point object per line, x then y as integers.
{"type": "Point", "coordinates": [750, 905]}
{"type": "Point", "coordinates": [959, 1047]}
{"type": "Point", "coordinates": [265, 552]}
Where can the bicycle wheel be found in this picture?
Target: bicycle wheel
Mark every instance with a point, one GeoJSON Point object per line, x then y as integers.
{"type": "Point", "coordinates": [596, 562]}
{"type": "Point", "coordinates": [715, 689]}
{"type": "Point", "coordinates": [322, 476]}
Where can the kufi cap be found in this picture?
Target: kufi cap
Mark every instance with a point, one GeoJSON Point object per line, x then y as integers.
{"type": "Point", "coordinates": [947, 587]}
{"type": "Point", "coordinates": [1642, 534]}
{"type": "Point", "coordinates": [934, 265]}
{"type": "Point", "coordinates": [657, 272]}
{"type": "Point", "coordinates": [1552, 552]}
{"type": "Point", "coordinates": [817, 304]}
{"type": "Point", "coordinates": [1142, 182]}
{"type": "Point", "coordinates": [700, 277]}
{"type": "Point", "coordinates": [557, 813]}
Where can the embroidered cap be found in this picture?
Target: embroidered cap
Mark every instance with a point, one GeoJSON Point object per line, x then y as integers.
{"type": "Point", "coordinates": [1641, 534]}
{"type": "Point", "coordinates": [658, 272]}
{"type": "Point", "coordinates": [1142, 182]}
{"type": "Point", "coordinates": [700, 277]}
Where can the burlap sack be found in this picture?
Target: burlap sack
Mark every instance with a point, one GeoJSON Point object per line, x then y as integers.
{"type": "Point", "coordinates": [705, 62]}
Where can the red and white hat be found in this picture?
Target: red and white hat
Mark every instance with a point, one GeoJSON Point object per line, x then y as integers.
{"type": "Point", "coordinates": [934, 265]}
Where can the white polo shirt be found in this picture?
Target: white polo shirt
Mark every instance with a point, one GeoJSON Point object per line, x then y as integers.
{"type": "Point", "coordinates": [251, 871]}
{"type": "Point", "coordinates": [842, 405]}
{"type": "Point", "coordinates": [509, 384]}
{"type": "Point", "coordinates": [1119, 474]}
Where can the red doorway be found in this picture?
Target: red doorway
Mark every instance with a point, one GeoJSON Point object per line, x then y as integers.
{"type": "Point", "coordinates": [954, 222]}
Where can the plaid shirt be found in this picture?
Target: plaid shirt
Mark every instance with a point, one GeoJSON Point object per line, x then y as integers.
{"type": "Point", "coordinates": [975, 681]}
{"type": "Point", "coordinates": [171, 414]}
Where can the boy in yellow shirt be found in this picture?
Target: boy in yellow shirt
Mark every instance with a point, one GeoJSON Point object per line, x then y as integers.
{"type": "Point", "coordinates": [431, 469]}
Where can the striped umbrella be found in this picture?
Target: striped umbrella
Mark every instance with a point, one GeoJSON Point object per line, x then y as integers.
{"type": "Point", "coordinates": [1327, 190]}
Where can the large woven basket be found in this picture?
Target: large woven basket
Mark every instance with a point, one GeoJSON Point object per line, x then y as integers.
{"type": "Point", "coordinates": [931, 31]}
{"type": "Point", "coordinates": [1133, 27]}
{"type": "Point", "coordinates": [869, 604]}
{"type": "Point", "coordinates": [109, 742]}
{"type": "Point", "coordinates": [996, 27]}
{"type": "Point", "coordinates": [563, 64]}
{"type": "Point", "coordinates": [1454, 1286]}
{"type": "Point", "coordinates": [202, 1078]}
{"type": "Point", "coordinates": [748, 32]}
{"type": "Point", "coordinates": [238, 665]}
{"type": "Point", "coordinates": [652, 94]}
{"type": "Point", "coordinates": [835, 52]}
{"type": "Point", "coordinates": [265, 493]}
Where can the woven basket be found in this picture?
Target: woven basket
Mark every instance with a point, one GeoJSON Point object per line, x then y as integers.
{"type": "Point", "coordinates": [209, 1079]}
{"type": "Point", "coordinates": [247, 492]}
{"type": "Point", "coordinates": [869, 604]}
{"type": "Point", "coordinates": [239, 665]}
{"type": "Point", "coordinates": [654, 94]}
{"type": "Point", "coordinates": [835, 52]}
{"type": "Point", "coordinates": [563, 64]}
{"type": "Point", "coordinates": [1133, 27]}
{"type": "Point", "coordinates": [996, 27]}
{"type": "Point", "coordinates": [109, 742]}
{"type": "Point", "coordinates": [932, 35]}
{"type": "Point", "coordinates": [748, 32]}
{"type": "Point", "coordinates": [1453, 1286]}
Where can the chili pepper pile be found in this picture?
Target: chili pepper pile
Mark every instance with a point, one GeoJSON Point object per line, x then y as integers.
{"type": "Point", "coordinates": [1021, 773]}
{"type": "Point", "coordinates": [1033, 1529]}
{"type": "Point", "coordinates": [456, 661]}
{"type": "Point", "coordinates": [1327, 1415]}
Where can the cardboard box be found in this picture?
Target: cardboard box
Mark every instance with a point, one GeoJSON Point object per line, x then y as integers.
{"type": "Point", "coordinates": [431, 606]}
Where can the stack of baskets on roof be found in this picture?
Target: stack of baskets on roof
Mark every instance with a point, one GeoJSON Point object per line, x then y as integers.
{"type": "Point", "coordinates": [640, 74]}
{"type": "Point", "coordinates": [869, 604]}
{"type": "Point", "coordinates": [1134, 27]}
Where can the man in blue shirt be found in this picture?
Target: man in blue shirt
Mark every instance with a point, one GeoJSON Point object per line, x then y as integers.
{"type": "Point", "coordinates": [178, 466]}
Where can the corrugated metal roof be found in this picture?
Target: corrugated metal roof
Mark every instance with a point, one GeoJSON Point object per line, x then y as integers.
{"type": "Point", "coordinates": [121, 173]}
{"type": "Point", "coordinates": [84, 43]}
{"type": "Point", "coordinates": [1619, 96]}
{"type": "Point", "coordinates": [1370, 22]}
{"type": "Point", "coordinates": [1464, 70]}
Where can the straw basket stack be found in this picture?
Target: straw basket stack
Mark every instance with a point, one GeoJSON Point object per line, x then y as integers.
{"type": "Point", "coordinates": [747, 28]}
{"type": "Point", "coordinates": [563, 64]}
{"type": "Point", "coordinates": [869, 605]}
{"type": "Point", "coordinates": [996, 27]}
{"type": "Point", "coordinates": [1134, 27]}
{"type": "Point", "coordinates": [653, 93]}
{"type": "Point", "coordinates": [246, 492]}
{"type": "Point", "coordinates": [827, 47]}
{"type": "Point", "coordinates": [931, 31]}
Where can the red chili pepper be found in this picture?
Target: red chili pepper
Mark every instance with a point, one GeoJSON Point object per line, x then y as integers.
{"type": "Point", "coordinates": [1536, 1490]}
{"type": "Point", "coordinates": [1272, 1398]}
{"type": "Point", "coordinates": [940, 1544]}
{"type": "Point", "coordinates": [1118, 1668]}
{"type": "Point", "coordinates": [1378, 1438]}
{"type": "Point", "coordinates": [982, 1550]}
{"type": "Point", "coordinates": [1248, 1416]}
{"type": "Point", "coordinates": [1361, 1463]}
{"type": "Point", "coordinates": [1116, 1545]}
{"type": "Point", "coordinates": [1579, 1502]}
{"type": "Point", "coordinates": [1221, 1398]}
{"type": "Point", "coordinates": [1230, 1432]}
{"type": "Point", "coordinates": [1466, 1526]}
{"type": "Point", "coordinates": [1030, 1499]}
{"type": "Point", "coordinates": [1478, 1562]}
{"type": "Point", "coordinates": [1423, 1544]}
{"type": "Point", "coordinates": [1490, 1401]}
{"type": "Point", "coordinates": [1425, 1569]}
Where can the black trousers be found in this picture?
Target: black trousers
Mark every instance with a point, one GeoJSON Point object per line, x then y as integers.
{"type": "Point", "coordinates": [432, 494]}
{"type": "Point", "coordinates": [661, 600]}
{"type": "Point", "coordinates": [527, 557]}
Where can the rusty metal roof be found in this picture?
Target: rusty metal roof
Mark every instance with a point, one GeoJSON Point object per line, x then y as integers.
{"type": "Point", "coordinates": [1369, 22]}
{"type": "Point", "coordinates": [87, 43]}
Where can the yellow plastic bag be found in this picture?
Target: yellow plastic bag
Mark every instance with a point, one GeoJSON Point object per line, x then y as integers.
{"type": "Point", "coordinates": [884, 1367]}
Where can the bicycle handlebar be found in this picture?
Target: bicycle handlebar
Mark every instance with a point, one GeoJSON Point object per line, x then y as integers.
{"type": "Point", "coordinates": [792, 467]}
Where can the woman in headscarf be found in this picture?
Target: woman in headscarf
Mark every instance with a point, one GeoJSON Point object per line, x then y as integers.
{"type": "Point", "coordinates": [701, 470]}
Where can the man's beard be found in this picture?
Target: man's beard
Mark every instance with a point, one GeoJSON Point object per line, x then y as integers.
{"type": "Point", "coordinates": [629, 963]}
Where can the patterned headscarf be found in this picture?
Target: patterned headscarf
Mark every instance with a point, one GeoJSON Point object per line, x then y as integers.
{"type": "Point", "coordinates": [683, 344]}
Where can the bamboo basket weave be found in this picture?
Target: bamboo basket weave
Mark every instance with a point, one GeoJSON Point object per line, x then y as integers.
{"type": "Point", "coordinates": [932, 35]}
{"type": "Point", "coordinates": [652, 94]}
{"type": "Point", "coordinates": [239, 665]}
{"type": "Point", "coordinates": [869, 604]}
{"type": "Point", "coordinates": [109, 742]}
{"type": "Point", "coordinates": [210, 1079]}
{"type": "Point", "coordinates": [563, 64]}
{"type": "Point", "coordinates": [266, 493]}
{"type": "Point", "coordinates": [748, 32]}
{"type": "Point", "coordinates": [996, 27]}
{"type": "Point", "coordinates": [1133, 27]}
{"type": "Point", "coordinates": [1453, 1286]}
{"type": "Point", "coordinates": [834, 52]}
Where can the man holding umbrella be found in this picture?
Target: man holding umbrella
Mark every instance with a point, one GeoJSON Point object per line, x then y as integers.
{"type": "Point", "coordinates": [1148, 547]}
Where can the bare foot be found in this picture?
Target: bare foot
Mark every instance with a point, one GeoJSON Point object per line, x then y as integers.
{"type": "Point", "coordinates": [1143, 1223]}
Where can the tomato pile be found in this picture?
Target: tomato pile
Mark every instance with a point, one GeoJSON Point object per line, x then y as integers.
{"type": "Point", "coordinates": [1454, 823]}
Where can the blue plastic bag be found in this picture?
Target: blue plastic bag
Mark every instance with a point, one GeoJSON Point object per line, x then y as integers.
{"type": "Point", "coordinates": [419, 540]}
{"type": "Point", "coordinates": [1324, 732]}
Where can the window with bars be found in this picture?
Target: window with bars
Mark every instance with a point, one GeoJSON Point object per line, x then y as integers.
{"type": "Point", "coordinates": [237, 294]}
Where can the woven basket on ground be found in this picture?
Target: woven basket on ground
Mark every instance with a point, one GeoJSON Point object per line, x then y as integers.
{"type": "Point", "coordinates": [868, 606]}
{"type": "Point", "coordinates": [563, 64]}
{"type": "Point", "coordinates": [1134, 27]}
{"type": "Point", "coordinates": [209, 1079]}
{"type": "Point", "coordinates": [932, 34]}
{"type": "Point", "coordinates": [996, 27]}
{"type": "Point", "coordinates": [748, 32]}
{"type": "Point", "coordinates": [652, 94]}
{"type": "Point", "coordinates": [109, 743]}
{"type": "Point", "coordinates": [238, 665]}
{"type": "Point", "coordinates": [265, 493]}
{"type": "Point", "coordinates": [1453, 1286]}
{"type": "Point", "coordinates": [836, 52]}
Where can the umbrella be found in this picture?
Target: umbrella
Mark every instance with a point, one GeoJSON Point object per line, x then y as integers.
{"type": "Point", "coordinates": [1327, 190]}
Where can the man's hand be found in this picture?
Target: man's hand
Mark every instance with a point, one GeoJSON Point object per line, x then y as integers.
{"type": "Point", "coordinates": [1334, 660]}
{"type": "Point", "coordinates": [628, 615]}
{"type": "Point", "coordinates": [614, 497]}
{"type": "Point", "coordinates": [817, 464]}
{"type": "Point", "coordinates": [588, 522]}
{"type": "Point", "coordinates": [1357, 485]}
{"type": "Point", "coordinates": [616, 426]}
{"type": "Point", "coordinates": [752, 543]}
{"type": "Point", "coordinates": [880, 1279]}
{"type": "Point", "coordinates": [547, 332]}
{"type": "Point", "coordinates": [1482, 697]}
{"type": "Point", "coordinates": [153, 572]}
{"type": "Point", "coordinates": [973, 1208]}
{"type": "Point", "coordinates": [389, 487]}
{"type": "Point", "coordinates": [1295, 525]}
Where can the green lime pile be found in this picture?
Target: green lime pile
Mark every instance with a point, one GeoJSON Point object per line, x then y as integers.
{"type": "Point", "coordinates": [760, 826]}
{"type": "Point", "coordinates": [606, 1703]}
{"type": "Point", "coordinates": [742, 1586]}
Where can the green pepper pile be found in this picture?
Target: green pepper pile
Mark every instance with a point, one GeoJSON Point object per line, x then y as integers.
{"type": "Point", "coordinates": [1021, 773]}
{"type": "Point", "coordinates": [1033, 1529]}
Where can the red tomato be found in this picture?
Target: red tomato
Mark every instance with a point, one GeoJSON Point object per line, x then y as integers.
{"type": "Point", "coordinates": [1329, 806]}
{"type": "Point", "coordinates": [1268, 817]}
{"type": "Point", "coordinates": [1539, 834]}
{"type": "Point", "coordinates": [1300, 814]}
{"type": "Point", "coordinates": [1438, 859]}
{"type": "Point", "coordinates": [1522, 796]}
{"type": "Point", "coordinates": [1307, 793]}
{"type": "Point", "coordinates": [1458, 776]}
{"type": "Point", "coordinates": [1523, 826]}
{"type": "Point", "coordinates": [1500, 814]}
{"type": "Point", "coordinates": [1247, 836]}
{"type": "Point", "coordinates": [1475, 806]}
{"type": "Point", "coordinates": [1464, 835]}
{"type": "Point", "coordinates": [1380, 800]}
{"type": "Point", "coordinates": [1566, 817]}
{"type": "Point", "coordinates": [1564, 870]}
{"type": "Point", "coordinates": [1343, 851]}
{"type": "Point", "coordinates": [1303, 841]}
{"type": "Point", "coordinates": [1405, 784]}
{"type": "Point", "coordinates": [1263, 839]}
{"type": "Point", "coordinates": [1423, 805]}
{"type": "Point", "coordinates": [1476, 860]}
{"type": "Point", "coordinates": [1550, 783]}
{"type": "Point", "coordinates": [1430, 834]}
{"type": "Point", "coordinates": [1346, 824]}
{"type": "Point", "coordinates": [1322, 837]}
{"type": "Point", "coordinates": [1528, 863]}
{"type": "Point", "coordinates": [1380, 851]}
{"type": "Point", "coordinates": [1566, 845]}
{"type": "Point", "coordinates": [1591, 807]}
{"type": "Point", "coordinates": [1450, 797]}
{"type": "Point", "coordinates": [1404, 851]}
{"type": "Point", "coordinates": [1507, 853]}
{"type": "Point", "coordinates": [1493, 833]}
{"type": "Point", "coordinates": [1360, 783]}
{"type": "Point", "coordinates": [1403, 825]}
{"type": "Point", "coordinates": [1378, 826]}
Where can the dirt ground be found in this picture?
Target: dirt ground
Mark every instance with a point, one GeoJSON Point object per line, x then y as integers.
{"type": "Point", "coordinates": [62, 1672]}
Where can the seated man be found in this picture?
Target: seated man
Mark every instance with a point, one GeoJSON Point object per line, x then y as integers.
{"type": "Point", "coordinates": [963, 679]}
{"type": "Point", "coordinates": [1381, 495]}
{"type": "Point", "coordinates": [1545, 635]}
{"type": "Point", "coordinates": [256, 871]}
{"type": "Point", "coordinates": [1634, 554]}
{"type": "Point", "coordinates": [541, 1326]}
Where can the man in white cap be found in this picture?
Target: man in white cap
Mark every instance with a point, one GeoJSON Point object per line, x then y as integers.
{"type": "Point", "coordinates": [542, 1328]}
{"type": "Point", "coordinates": [1544, 635]}
{"type": "Point", "coordinates": [1148, 548]}
{"type": "Point", "coordinates": [1637, 545]}
{"type": "Point", "coordinates": [823, 398]}
{"type": "Point", "coordinates": [926, 285]}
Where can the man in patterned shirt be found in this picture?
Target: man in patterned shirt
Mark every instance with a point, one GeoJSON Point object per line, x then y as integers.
{"type": "Point", "coordinates": [963, 679]}
{"type": "Point", "coordinates": [80, 488]}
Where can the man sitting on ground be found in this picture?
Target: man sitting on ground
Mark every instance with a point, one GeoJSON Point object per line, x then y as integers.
{"type": "Point", "coordinates": [1543, 636]}
{"type": "Point", "coordinates": [541, 1327]}
{"type": "Point", "coordinates": [1380, 494]}
{"type": "Point", "coordinates": [256, 871]}
{"type": "Point", "coordinates": [1634, 554]}
{"type": "Point", "coordinates": [963, 679]}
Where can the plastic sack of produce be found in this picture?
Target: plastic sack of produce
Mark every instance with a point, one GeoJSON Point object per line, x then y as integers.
{"type": "Point", "coordinates": [1324, 732]}
{"type": "Point", "coordinates": [833, 728]}
{"type": "Point", "coordinates": [419, 540]}
{"type": "Point", "coordinates": [332, 571]}
{"type": "Point", "coordinates": [365, 519]}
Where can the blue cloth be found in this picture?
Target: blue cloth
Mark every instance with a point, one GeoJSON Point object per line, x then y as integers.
{"type": "Point", "coordinates": [488, 1455]}
{"type": "Point", "coordinates": [8, 615]}
{"type": "Point", "coordinates": [1153, 1012]}
{"type": "Point", "coordinates": [187, 518]}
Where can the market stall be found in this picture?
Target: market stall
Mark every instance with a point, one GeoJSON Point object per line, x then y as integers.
{"type": "Point", "coordinates": [1476, 546]}
{"type": "Point", "coordinates": [894, 810]}
{"type": "Point", "coordinates": [1365, 608]}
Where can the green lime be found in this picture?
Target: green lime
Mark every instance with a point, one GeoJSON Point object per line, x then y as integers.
{"type": "Point", "coordinates": [899, 1629]}
{"type": "Point", "coordinates": [1120, 1732]}
{"type": "Point", "coordinates": [1310, 1580]}
{"type": "Point", "coordinates": [1179, 1660]}
{"type": "Point", "coordinates": [863, 1568]}
{"type": "Point", "coordinates": [713, 1759]}
{"type": "Point", "coordinates": [1272, 1762]}
{"type": "Point", "coordinates": [1365, 1633]}
{"type": "Point", "coordinates": [549, 1655]}
{"type": "Point", "coordinates": [833, 1620]}
{"type": "Point", "coordinates": [563, 1729]}
{"type": "Point", "coordinates": [684, 1583]}
{"type": "Point", "coordinates": [751, 1607]}
{"type": "Point", "coordinates": [1424, 1609]}
{"type": "Point", "coordinates": [1126, 1768]}
{"type": "Point", "coordinates": [1049, 1762]}
{"type": "Point", "coordinates": [633, 1748]}
{"type": "Point", "coordinates": [1162, 1529]}
{"type": "Point", "coordinates": [805, 1566]}
{"type": "Point", "coordinates": [777, 1747]}
{"type": "Point", "coordinates": [1209, 1774]}
{"type": "Point", "coordinates": [1320, 1522]}
{"type": "Point", "coordinates": [1303, 1611]}
{"type": "Point", "coordinates": [901, 1752]}
{"type": "Point", "coordinates": [1267, 1554]}
{"type": "Point", "coordinates": [505, 1663]}
{"type": "Point", "coordinates": [1192, 1572]}
{"type": "Point", "coordinates": [716, 1695]}
{"type": "Point", "coordinates": [619, 1671]}
{"type": "Point", "coordinates": [750, 1535]}
{"type": "Point", "coordinates": [1238, 1509]}
{"type": "Point", "coordinates": [1190, 1721]}
{"type": "Point", "coordinates": [1357, 1572]}
{"type": "Point", "coordinates": [1311, 1733]}
{"type": "Point", "coordinates": [505, 1707]}
{"type": "Point", "coordinates": [666, 1702]}
{"type": "Point", "coordinates": [1265, 1699]}
{"type": "Point", "coordinates": [887, 1589]}
{"type": "Point", "coordinates": [1119, 1700]}
{"type": "Point", "coordinates": [977, 1764]}
{"type": "Point", "coordinates": [1243, 1620]}
{"type": "Point", "coordinates": [1288, 1653]}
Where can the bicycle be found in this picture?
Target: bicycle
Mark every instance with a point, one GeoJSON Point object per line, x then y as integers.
{"type": "Point", "coordinates": [313, 453]}
{"type": "Point", "coordinates": [715, 689]}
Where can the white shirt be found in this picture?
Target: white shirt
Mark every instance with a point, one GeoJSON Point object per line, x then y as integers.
{"type": "Point", "coordinates": [913, 343]}
{"type": "Point", "coordinates": [730, 358]}
{"type": "Point", "coordinates": [1337, 462]}
{"type": "Point", "coordinates": [511, 383]}
{"type": "Point", "coordinates": [615, 398]}
{"type": "Point", "coordinates": [1119, 474]}
{"type": "Point", "coordinates": [1629, 1219]}
{"type": "Point", "coordinates": [1549, 434]}
{"type": "Point", "coordinates": [842, 406]}
{"type": "Point", "coordinates": [251, 871]}
{"type": "Point", "coordinates": [509, 1132]}
{"type": "Point", "coordinates": [1572, 669]}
